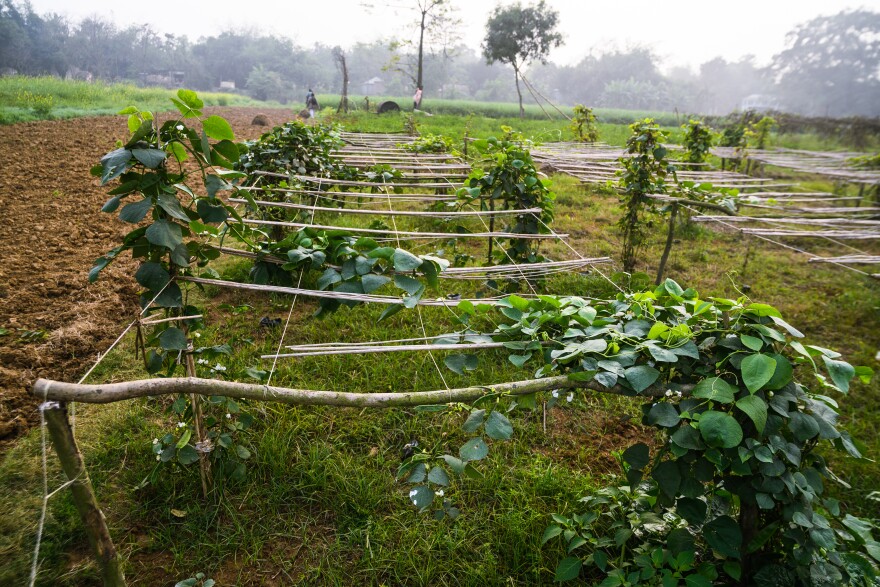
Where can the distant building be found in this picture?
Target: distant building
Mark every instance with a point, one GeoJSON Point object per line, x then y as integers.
{"type": "Point", "coordinates": [759, 103]}
{"type": "Point", "coordinates": [373, 87]}
{"type": "Point", "coordinates": [168, 79]}
{"type": "Point", "coordinates": [227, 85]}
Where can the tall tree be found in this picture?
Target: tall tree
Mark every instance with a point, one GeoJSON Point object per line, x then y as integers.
{"type": "Point", "coordinates": [518, 36]}
{"type": "Point", "coordinates": [438, 27]}
{"type": "Point", "coordinates": [831, 65]}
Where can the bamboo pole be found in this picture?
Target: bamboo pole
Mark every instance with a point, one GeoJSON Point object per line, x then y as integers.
{"type": "Point", "coordinates": [114, 392]}
{"type": "Point", "coordinates": [60, 432]}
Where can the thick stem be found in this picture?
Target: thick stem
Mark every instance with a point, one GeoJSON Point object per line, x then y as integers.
{"type": "Point", "coordinates": [421, 49]}
{"type": "Point", "coordinates": [83, 495]}
{"type": "Point", "coordinates": [668, 247]}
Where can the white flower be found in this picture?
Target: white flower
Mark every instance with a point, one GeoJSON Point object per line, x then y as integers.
{"type": "Point", "coordinates": [439, 493]}
{"type": "Point", "coordinates": [179, 127]}
{"type": "Point", "coordinates": [158, 457]}
{"type": "Point", "coordinates": [555, 393]}
{"type": "Point", "coordinates": [218, 367]}
{"type": "Point", "coordinates": [228, 416]}
{"type": "Point", "coordinates": [412, 493]}
{"type": "Point", "coordinates": [202, 361]}
{"type": "Point", "coordinates": [155, 441]}
{"type": "Point", "coordinates": [181, 424]}
{"type": "Point", "coordinates": [569, 397]}
{"type": "Point", "coordinates": [668, 393]}
{"type": "Point", "coordinates": [197, 335]}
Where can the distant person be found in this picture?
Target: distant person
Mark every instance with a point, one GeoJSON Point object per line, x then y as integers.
{"type": "Point", "coordinates": [311, 103]}
{"type": "Point", "coordinates": [417, 98]}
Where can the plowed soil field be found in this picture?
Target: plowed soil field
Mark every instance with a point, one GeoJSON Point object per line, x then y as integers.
{"type": "Point", "coordinates": [53, 323]}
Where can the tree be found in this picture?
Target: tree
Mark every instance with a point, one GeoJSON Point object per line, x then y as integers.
{"type": "Point", "coordinates": [437, 25]}
{"type": "Point", "coordinates": [832, 65]}
{"type": "Point", "coordinates": [518, 36]}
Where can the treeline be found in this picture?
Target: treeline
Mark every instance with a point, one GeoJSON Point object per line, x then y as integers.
{"type": "Point", "coordinates": [831, 67]}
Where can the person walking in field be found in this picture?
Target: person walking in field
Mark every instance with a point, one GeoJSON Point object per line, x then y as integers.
{"type": "Point", "coordinates": [417, 98]}
{"type": "Point", "coordinates": [311, 103]}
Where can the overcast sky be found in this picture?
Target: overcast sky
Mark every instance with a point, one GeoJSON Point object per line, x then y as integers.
{"type": "Point", "coordinates": [681, 32]}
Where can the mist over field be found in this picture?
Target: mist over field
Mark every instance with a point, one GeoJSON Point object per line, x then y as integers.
{"type": "Point", "coordinates": [826, 65]}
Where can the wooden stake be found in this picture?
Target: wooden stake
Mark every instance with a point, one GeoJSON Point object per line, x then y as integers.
{"type": "Point", "coordinates": [60, 432]}
{"type": "Point", "coordinates": [198, 420]}
{"type": "Point", "coordinates": [668, 243]}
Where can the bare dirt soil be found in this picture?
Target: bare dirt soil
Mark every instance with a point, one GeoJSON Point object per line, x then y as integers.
{"type": "Point", "coordinates": [53, 323]}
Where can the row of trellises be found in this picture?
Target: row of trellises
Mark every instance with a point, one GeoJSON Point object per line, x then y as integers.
{"type": "Point", "coordinates": [856, 132]}
{"type": "Point", "coordinates": [341, 261]}
{"type": "Point", "coordinates": [505, 178]}
{"type": "Point", "coordinates": [165, 181]}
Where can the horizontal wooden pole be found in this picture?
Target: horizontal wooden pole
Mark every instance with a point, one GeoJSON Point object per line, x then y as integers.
{"type": "Point", "coordinates": [114, 392]}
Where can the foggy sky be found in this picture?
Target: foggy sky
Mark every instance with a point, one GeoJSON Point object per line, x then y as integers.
{"type": "Point", "coordinates": [681, 32]}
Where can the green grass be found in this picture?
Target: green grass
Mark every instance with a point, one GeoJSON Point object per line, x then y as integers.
{"type": "Point", "coordinates": [25, 98]}
{"type": "Point", "coordinates": [320, 505]}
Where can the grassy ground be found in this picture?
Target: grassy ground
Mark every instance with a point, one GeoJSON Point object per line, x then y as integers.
{"type": "Point", "coordinates": [25, 98]}
{"type": "Point", "coordinates": [319, 503]}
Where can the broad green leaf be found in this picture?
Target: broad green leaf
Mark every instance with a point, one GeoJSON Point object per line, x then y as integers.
{"type": "Point", "coordinates": [190, 98]}
{"type": "Point", "coordinates": [164, 234]}
{"type": "Point", "coordinates": [173, 339]}
{"type": "Point", "coordinates": [782, 375]}
{"type": "Point", "coordinates": [459, 363]}
{"type": "Point", "coordinates": [498, 426]}
{"type": "Point", "coordinates": [757, 370]}
{"type": "Point", "coordinates": [134, 212]}
{"type": "Point", "coordinates": [421, 496]}
{"type": "Point", "coordinates": [187, 455]}
{"type": "Point", "coordinates": [691, 509]}
{"type": "Point", "coordinates": [723, 535]}
{"type": "Point", "coordinates": [841, 373]}
{"type": "Point", "coordinates": [636, 456]}
{"type": "Point", "coordinates": [567, 569]}
{"type": "Point", "coordinates": [754, 343]}
{"type": "Point", "coordinates": [243, 453]}
{"type": "Point", "coordinates": [391, 310]}
{"type": "Point", "coordinates": [438, 476]}
{"type": "Point", "coordinates": [211, 213]}
{"type": "Point", "coordinates": [405, 261]}
{"type": "Point", "coordinates": [663, 414]}
{"type": "Point", "coordinates": [372, 282]}
{"type": "Point", "coordinates": [720, 430]}
{"type": "Point", "coordinates": [803, 426]}
{"type": "Point", "coordinates": [151, 158]}
{"type": "Point", "coordinates": [756, 409]}
{"type": "Point", "coordinates": [474, 420]}
{"type": "Point", "coordinates": [641, 377]}
{"type": "Point", "coordinates": [474, 449]}
{"type": "Point", "coordinates": [172, 206]}
{"type": "Point", "coordinates": [408, 284]}
{"type": "Point", "coordinates": [218, 129]}
{"type": "Point", "coordinates": [153, 276]}
{"type": "Point", "coordinates": [715, 389]}
{"type": "Point", "coordinates": [457, 465]}
{"type": "Point", "coordinates": [551, 532]}
{"type": "Point", "coordinates": [668, 478]}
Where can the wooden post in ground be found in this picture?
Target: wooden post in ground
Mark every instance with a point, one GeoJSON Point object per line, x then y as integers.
{"type": "Point", "coordinates": [666, 250]}
{"type": "Point", "coordinates": [55, 414]}
{"type": "Point", "coordinates": [198, 421]}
